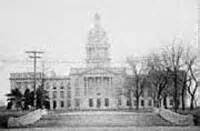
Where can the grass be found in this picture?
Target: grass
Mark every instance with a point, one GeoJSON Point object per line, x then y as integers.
{"type": "Point", "coordinates": [5, 114]}
{"type": "Point", "coordinates": [195, 112]}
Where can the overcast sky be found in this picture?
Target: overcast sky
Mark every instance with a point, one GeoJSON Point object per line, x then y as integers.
{"type": "Point", "coordinates": [60, 27]}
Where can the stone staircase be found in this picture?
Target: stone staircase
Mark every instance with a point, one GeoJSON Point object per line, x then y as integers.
{"type": "Point", "coordinates": [101, 118]}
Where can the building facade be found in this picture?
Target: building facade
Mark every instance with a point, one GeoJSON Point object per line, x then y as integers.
{"type": "Point", "coordinates": [24, 80]}
{"type": "Point", "coordinates": [97, 86]}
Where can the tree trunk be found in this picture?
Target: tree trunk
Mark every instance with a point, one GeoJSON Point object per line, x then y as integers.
{"type": "Point", "coordinates": [183, 100]}
{"type": "Point", "coordinates": [130, 101]}
{"type": "Point", "coordinates": [175, 93]}
{"type": "Point", "coordinates": [192, 102]}
{"type": "Point", "coordinates": [158, 102]}
{"type": "Point", "coordinates": [183, 92]}
{"type": "Point", "coordinates": [165, 102]}
{"type": "Point", "coordinates": [137, 103]}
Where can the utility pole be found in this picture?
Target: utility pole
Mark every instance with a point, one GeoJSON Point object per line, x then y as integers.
{"type": "Point", "coordinates": [34, 56]}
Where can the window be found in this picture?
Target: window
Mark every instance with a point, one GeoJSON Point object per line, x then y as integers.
{"type": "Point", "coordinates": [128, 102]}
{"type": "Point", "coordinates": [111, 81]}
{"type": "Point", "coordinates": [68, 88]}
{"type": "Point", "coordinates": [77, 91]}
{"type": "Point", "coordinates": [54, 86]}
{"type": "Point", "coordinates": [142, 102]}
{"type": "Point", "coordinates": [171, 102]}
{"type": "Point", "coordinates": [68, 103]}
{"type": "Point", "coordinates": [62, 95]}
{"type": "Point", "coordinates": [69, 94]}
{"type": "Point", "coordinates": [106, 102]}
{"type": "Point", "coordinates": [135, 103]}
{"type": "Point", "coordinates": [142, 94]}
{"type": "Point", "coordinates": [54, 94]}
{"type": "Point", "coordinates": [19, 85]}
{"type": "Point", "coordinates": [61, 104]}
{"type": "Point", "coordinates": [85, 82]}
{"type": "Point", "coordinates": [47, 86]}
{"type": "Point", "coordinates": [77, 102]}
{"type": "Point", "coordinates": [47, 94]}
{"type": "Point", "coordinates": [149, 93]}
{"type": "Point", "coordinates": [25, 85]}
{"type": "Point", "coordinates": [119, 102]}
{"type": "Point", "coordinates": [150, 103]}
{"type": "Point", "coordinates": [54, 104]}
{"type": "Point", "coordinates": [91, 102]}
{"type": "Point", "coordinates": [68, 84]}
{"type": "Point", "coordinates": [98, 102]}
{"type": "Point", "coordinates": [62, 85]}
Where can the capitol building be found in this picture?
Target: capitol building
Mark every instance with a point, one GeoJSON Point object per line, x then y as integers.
{"type": "Point", "coordinates": [97, 86]}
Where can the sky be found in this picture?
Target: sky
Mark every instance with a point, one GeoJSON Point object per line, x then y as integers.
{"type": "Point", "coordinates": [60, 27]}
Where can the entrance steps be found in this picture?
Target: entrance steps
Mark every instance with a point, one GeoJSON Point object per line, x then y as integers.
{"type": "Point", "coordinates": [102, 118]}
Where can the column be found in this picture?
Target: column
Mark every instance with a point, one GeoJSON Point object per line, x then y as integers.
{"type": "Point", "coordinates": [51, 105]}
{"type": "Point", "coordinates": [93, 82]}
{"type": "Point", "coordinates": [107, 81]}
{"type": "Point", "coordinates": [96, 82]}
{"type": "Point", "coordinates": [89, 82]}
{"type": "Point", "coordinates": [101, 81]}
{"type": "Point", "coordinates": [58, 99]}
{"type": "Point", "coordinates": [87, 85]}
{"type": "Point", "coordinates": [111, 82]}
{"type": "Point", "coordinates": [51, 100]}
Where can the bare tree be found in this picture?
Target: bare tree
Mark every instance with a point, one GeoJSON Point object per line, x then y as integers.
{"type": "Point", "coordinates": [128, 85]}
{"type": "Point", "coordinates": [158, 77]}
{"type": "Point", "coordinates": [172, 57]}
{"type": "Point", "coordinates": [185, 77]}
{"type": "Point", "coordinates": [185, 82]}
{"type": "Point", "coordinates": [138, 79]}
{"type": "Point", "coordinates": [192, 65]}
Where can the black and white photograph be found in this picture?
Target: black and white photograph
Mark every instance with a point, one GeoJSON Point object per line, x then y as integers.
{"type": "Point", "coordinates": [100, 65]}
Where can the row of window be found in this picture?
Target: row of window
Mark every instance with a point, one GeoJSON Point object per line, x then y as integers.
{"type": "Point", "coordinates": [77, 103]}
{"type": "Point", "coordinates": [97, 81]}
{"type": "Point", "coordinates": [142, 102]}
{"type": "Point", "coordinates": [62, 104]}
{"type": "Point", "coordinates": [98, 102]}
{"type": "Point", "coordinates": [62, 94]}
{"type": "Point", "coordinates": [149, 93]}
{"type": "Point", "coordinates": [55, 87]}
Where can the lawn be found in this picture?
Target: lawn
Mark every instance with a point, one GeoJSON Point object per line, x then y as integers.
{"type": "Point", "coordinates": [5, 114]}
